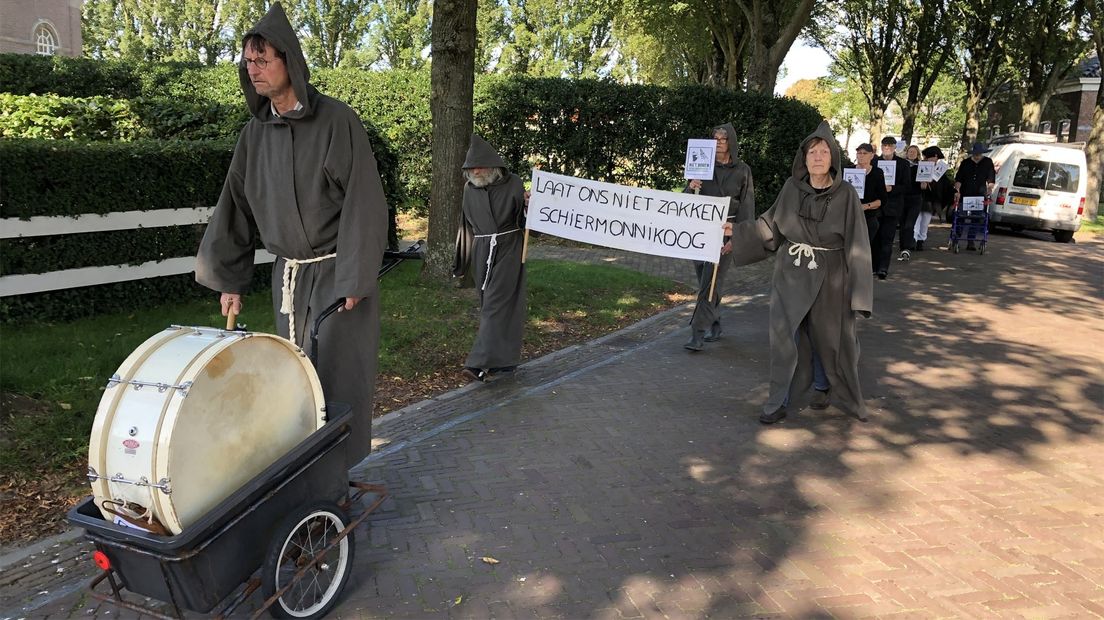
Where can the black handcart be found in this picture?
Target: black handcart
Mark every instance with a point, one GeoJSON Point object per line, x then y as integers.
{"type": "Point", "coordinates": [291, 523]}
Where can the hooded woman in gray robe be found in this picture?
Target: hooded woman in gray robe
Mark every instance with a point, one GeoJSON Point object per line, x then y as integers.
{"type": "Point", "coordinates": [821, 280]}
{"type": "Point", "coordinates": [305, 181]}
{"type": "Point", "coordinates": [731, 178]}
{"type": "Point", "coordinates": [488, 247]}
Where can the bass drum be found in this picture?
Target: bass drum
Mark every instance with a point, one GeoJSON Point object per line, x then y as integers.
{"type": "Point", "coordinates": [192, 415]}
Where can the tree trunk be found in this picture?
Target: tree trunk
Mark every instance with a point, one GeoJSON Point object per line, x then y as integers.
{"type": "Point", "coordinates": [452, 80]}
{"type": "Point", "coordinates": [970, 128]}
{"type": "Point", "coordinates": [911, 109]}
{"type": "Point", "coordinates": [1032, 113]}
{"type": "Point", "coordinates": [1094, 149]}
{"type": "Point", "coordinates": [877, 126]}
{"type": "Point", "coordinates": [773, 28]}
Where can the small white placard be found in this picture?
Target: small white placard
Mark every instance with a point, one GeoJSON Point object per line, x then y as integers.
{"type": "Point", "coordinates": [700, 155]}
{"type": "Point", "coordinates": [857, 178]}
{"type": "Point", "coordinates": [889, 169]}
{"type": "Point", "coordinates": [925, 171]}
{"type": "Point", "coordinates": [941, 167]}
{"type": "Point", "coordinates": [973, 203]}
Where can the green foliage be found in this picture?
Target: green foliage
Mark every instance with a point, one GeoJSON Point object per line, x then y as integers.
{"type": "Point", "coordinates": [635, 134]}
{"type": "Point", "coordinates": [105, 118]}
{"type": "Point", "coordinates": [117, 247]}
{"type": "Point", "coordinates": [60, 177]}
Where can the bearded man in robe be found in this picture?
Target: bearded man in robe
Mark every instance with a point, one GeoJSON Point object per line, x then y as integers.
{"type": "Point", "coordinates": [489, 248]}
{"type": "Point", "coordinates": [303, 179]}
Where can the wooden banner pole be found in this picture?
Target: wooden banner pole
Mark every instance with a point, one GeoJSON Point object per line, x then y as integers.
{"type": "Point", "coordinates": [525, 246]}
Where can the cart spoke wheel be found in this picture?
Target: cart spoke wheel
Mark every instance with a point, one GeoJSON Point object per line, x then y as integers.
{"type": "Point", "coordinates": [300, 548]}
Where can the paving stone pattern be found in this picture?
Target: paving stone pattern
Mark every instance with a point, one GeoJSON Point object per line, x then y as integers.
{"type": "Point", "coordinates": [635, 481]}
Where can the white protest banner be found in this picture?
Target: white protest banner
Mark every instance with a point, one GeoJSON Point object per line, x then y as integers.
{"type": "Point", "coordinates": [973, 203]}
{"type": "Point", "coordinates": [857, 178]}
{"type": "Point", "coordinates": [889, 169]}
{"type": "Point", "coordinates": [925, 171]}
{"type": "Point", "coordinates": [940, 168]}
{"type": "Point", "coordinates": [700, 155]}
{"type": "Point", "coordinates": [637, 219]}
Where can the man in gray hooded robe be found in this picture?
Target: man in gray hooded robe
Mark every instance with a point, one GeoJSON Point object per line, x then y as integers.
{"type": "Point", "coordinates": [732, 178]}
{"type": "Point", "coordinates": [304, 179]}
{"type": "Point", "coordinates": [821, 282]}
{"type": "Point", "coordinates": [488, 247]}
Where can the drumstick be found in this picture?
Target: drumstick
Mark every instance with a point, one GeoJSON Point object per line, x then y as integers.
{"type": "Point", "coordinates": [525, 246]}
{"type": "Point", "coordinates": [231, 319]}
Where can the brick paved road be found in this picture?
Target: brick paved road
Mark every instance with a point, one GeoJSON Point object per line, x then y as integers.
{"type": "Point", "coordinates": [633, 480]}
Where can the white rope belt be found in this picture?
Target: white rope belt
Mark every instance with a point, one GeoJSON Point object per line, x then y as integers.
{"type": "Point", "coordinates": [287, 301]}
{"type": "Point", "coordinates": [804, 250]}
{"type": "Point", "coordinates": [490, 255]}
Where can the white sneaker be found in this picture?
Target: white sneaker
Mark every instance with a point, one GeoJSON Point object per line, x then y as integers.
{"type": "Point", "coordinates": [905, 255]}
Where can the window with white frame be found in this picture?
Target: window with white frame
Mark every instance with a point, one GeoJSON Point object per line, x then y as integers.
{"type": "Point", "coordinates": [46, 42]}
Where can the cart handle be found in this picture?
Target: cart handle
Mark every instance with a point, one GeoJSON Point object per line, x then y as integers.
{"type": "Point", "coordinates": [332, 308]}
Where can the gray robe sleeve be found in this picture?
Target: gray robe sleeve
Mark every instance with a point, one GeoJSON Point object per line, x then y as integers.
{"type": "Point", "coordinates": [755, 240]}
{"type": "Point", "coordinates": [362, 233]}
{"type": "Point", "coordinates": [857, 245]}
{"type": "Point", "coordinates": [224, 262]}
{"type": "Point", "coordinates": [746, 209]}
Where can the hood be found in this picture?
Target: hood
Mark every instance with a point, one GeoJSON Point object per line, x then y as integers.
{"type": "Point", "coordinates": [482, 155]}
{"type": "Point", "coordinates": [801, 173]}
{"type": "Point", "coordinates": [277, 30]}
{"type": "Point", "coordinates": [733, 146]}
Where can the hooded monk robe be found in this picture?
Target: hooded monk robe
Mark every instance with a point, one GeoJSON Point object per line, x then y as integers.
{"type": "Point", "coordinates": [733, 180]}
{"type": "Point", "coordinates": [306, 182]}
{"type": "Point", "coordinates": [494, 214]}
{"type": "Point", "coordinates": [817, 304]}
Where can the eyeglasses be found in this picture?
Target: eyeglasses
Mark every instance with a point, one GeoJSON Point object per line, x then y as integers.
{"type": "Point", "coordinates": [260, 62]}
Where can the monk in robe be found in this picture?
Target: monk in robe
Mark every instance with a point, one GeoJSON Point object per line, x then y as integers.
{"type": "Point", "coordinates": [303, 179]}
{"type": "Point", "coordinates": [821, 279]}
{"type": "Point", "coordinates": [489, 245]}
{"type": "Point", "coordinates": [731, 178]}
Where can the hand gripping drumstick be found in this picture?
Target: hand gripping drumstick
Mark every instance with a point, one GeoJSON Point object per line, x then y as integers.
{"type": "Point", "coordinates": [231, 319]}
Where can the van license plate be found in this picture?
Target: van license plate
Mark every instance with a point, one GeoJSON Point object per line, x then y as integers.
{"type": "Point", "coordinates": [1031, 202]}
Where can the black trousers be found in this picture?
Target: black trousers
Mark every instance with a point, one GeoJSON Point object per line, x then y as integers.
{"type": "Point", "coordinates": [908, 221]}
{"type": "Point", "coordinates": [872, 229]}
{"type": "Point", "coordinates": [887, 230]}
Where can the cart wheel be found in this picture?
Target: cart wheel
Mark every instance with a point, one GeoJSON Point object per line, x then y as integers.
{"type": "Point", "coordinates": [981, 248]}
{"type": "Point", "coordinates": [297, 541]}
{"type": "Point", "coordinates": [954, 247]}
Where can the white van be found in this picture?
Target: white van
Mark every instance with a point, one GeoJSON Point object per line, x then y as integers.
{"type": "Point", "coordinates": [1041, 184]}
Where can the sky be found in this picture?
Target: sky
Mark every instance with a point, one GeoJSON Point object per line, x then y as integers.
{"type": "Point", "coordinates": [803, 61]}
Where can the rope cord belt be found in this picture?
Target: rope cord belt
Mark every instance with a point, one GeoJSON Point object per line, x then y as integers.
{"type": "Point", "coordinates": [287, 292]}
{"type": "Point", "coordinates": [804, 250]}
{"type": "Point", "coordinates": [490, 255]}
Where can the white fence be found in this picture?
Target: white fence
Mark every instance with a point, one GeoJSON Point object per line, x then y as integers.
{"type": "Point", "coordinates": [22, 284]}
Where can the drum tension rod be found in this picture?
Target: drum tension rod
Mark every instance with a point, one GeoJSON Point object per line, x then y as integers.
{"type": "Point", "coordinates": [139, 384]}
{"type": "Point", "coordinates": [163, 484]}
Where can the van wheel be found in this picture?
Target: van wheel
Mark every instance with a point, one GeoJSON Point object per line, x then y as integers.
{"type": "Point", "coordinates": [1063, 236]}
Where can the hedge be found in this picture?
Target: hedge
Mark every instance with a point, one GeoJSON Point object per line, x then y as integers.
{"type": "Point", "coordinates": [59, 177]}
{"type": "Point", "coordinates": [94, 249]}
{"type": "Point", "coordinates": [66, 305]}
{"type": "Point", "coordinates": [611, 131]}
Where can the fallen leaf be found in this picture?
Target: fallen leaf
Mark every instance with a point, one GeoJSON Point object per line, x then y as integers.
{"type": "Point", "coordinates": [489, 560]}
{"type": "Point", "coordinates": [459, 599]}
{"type": "Point", "coordinates": [65, 406]}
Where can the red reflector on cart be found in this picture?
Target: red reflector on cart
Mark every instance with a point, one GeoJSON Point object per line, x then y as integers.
{"type": "Point", "coordinates": [100, 558]}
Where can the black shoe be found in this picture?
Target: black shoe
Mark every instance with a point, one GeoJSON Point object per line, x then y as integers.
{"type": "Point", "coordinates": [820, 400]}
{"type": "Point", "coordinates": [776, 416]}
{"type": "Point", "coordinates": [714, 333]}
{"type": "Point", "coordinates": [882, 275]}
{"type": "Point", "coordinates": [501, 372]}
{"type": "Point", "coordinates": [919, 246]}
{"type": "Point", "coordinates": [475, 374]}
{"type": "Point", "coordinates": [697, 340]}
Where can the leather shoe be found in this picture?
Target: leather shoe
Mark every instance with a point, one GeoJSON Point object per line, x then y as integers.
{"type": "Point", "coordinates": [820, 400]}
{"type": "Point", "coordinates": [775, 416]}
{"type": "Point", "coordinates": [697, 340]}
{"type": "Point", "coordinates": [475, 374]}
{"type": "Point", "coordinates": [714, 333]}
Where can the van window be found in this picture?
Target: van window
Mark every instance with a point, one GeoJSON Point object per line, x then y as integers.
{"type": "Point", "coordinates": [1031, 173]}
{"type": "Point", "coordinates": [1064, 177]}
{"type": "Point", "coordinates": [1035, 174]}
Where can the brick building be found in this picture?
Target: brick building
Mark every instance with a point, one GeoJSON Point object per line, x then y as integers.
{"type": "Point", "coordinates": [49, 27]}
{"type": "Point", "coordinates": [1068, 114]}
